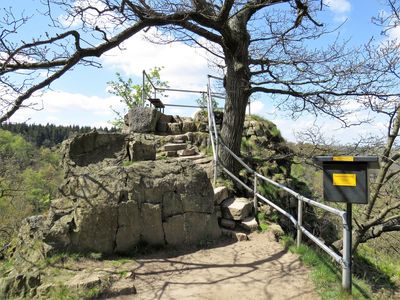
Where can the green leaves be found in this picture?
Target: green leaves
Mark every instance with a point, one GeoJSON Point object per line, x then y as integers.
{"type": "Point", "coordinates": [132, 94]}
{"type": "Point", "coordinates": [29, 178]}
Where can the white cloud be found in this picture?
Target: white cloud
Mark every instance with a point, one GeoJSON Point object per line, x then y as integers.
{"type": "Point", "coordinates": [184, 67]}
{"type": "Point", "coordinates": [88, 11]}
{"type": "Point", "coordinates": [257, 107]}
{"type": "Point", "coordinates": [340, 8]}
{"type": "Point", "coordinates": [63, 108]}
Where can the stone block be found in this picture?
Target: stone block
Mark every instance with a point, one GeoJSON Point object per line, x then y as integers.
{"type": "Point", "coordinates": [152, 229]}
{"type": "Point", "coordinates": [202, 127]}
{"type": "Point", "coordinates": [129, 227]}
{"type": "Point", "coordinates": [237, 236]}
{"type": "Point", "coordinates": [220, 194]}
{"type": "Point", "coordinates": [188, 126]}
{"type": "Point", "coordinates": [212, 228]}
{"type": "Point", "coordinates": [162, 127]}
{"type": "Point", "coordinates": [172, 154]}
{"type": "Point", "coordinates": [141, 119]}
{"type": "Point", "coordinates": [166, 118]}
{"type": "Point", "coordinates": [174, 146]}
{"type": "Point", "coordinates": [249, 223]}
{"type": "Point", "coordinates": [181, 138]}
{"type": "Point", "coordinates": [174, 229]}
{"type": "Point", "coordinates": [140, 150]}
{"type": "Point", "coordinates": [174, 128]}
{"type": "Point", "coordinates": [236, 208]}
{"type": "Point", "coordinates": [227, 223]}
{"type": "Point", "coordinates": [172, 205]}
{"type": "Point", "coordinates": [187, 152]}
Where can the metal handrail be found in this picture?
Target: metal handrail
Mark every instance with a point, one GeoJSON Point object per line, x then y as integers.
{"type": "Point", "coordinates": [345, 260]}
{"type": "Point", "coordinates": [333, 210]}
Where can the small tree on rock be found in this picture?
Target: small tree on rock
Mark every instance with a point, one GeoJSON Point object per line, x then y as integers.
{"type": "Point", "coordinates": [132, 94]}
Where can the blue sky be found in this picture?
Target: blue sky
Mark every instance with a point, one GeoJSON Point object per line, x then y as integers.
{"type": "Point", "coordinates": [81, 97]}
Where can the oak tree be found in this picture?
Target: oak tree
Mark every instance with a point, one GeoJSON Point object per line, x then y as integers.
{"type": "Point", "coordinates": [263, 46]}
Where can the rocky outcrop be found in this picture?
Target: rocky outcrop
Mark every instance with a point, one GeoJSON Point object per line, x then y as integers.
{"type": "Point", "coordinates": [110, 203]}
{"type": "Point", "coordinates": [92, 148]}
{"type": "Point", "coordinates": [114, 209]}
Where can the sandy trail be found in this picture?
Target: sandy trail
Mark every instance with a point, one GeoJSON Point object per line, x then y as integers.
{"type": "Point", "coordinates": [256, 269]}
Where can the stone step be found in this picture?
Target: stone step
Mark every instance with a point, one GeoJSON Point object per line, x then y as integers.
{"type": "Point", "coordinates": [249, 223]}
{"type": "Point", "coordinates": [174, 146]}
{"type": "Point", "coordinates": [236, 209]}
{"type": "Point", "coordinates": [203, 160]}
{"type": "Point", "coordinates": [178, 141]}
{"type": "Point", "coordinates": [238, 236]}
{"type": "Point", "coordinates": [187, 152]}
{"type": "Point", "coordinates": [194, 158]}
{"type": "Point", "coordinates": [171, 153]}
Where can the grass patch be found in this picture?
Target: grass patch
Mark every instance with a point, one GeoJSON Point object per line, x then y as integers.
{"type": "Point", "coordinates": [65, 293]}
{"type": "Point", "coordinates": [262, 222]}
{"type": "Point", "coordinates": [326, 274]}
{"type": "Point", "coordinates": [380, 270]}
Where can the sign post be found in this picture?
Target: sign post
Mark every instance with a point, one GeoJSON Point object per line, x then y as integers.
{"type": "Point", "coordinates": [345, 179]}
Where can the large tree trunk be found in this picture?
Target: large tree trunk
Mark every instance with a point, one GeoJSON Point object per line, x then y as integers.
{"type": "Point", "coordinates": [237, 86]}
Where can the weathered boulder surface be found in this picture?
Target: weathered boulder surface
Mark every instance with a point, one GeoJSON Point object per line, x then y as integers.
{"type": "Point", "coordinates": [220, 194]}
{"type": "Point", "coordinates": [113, 209]}
{"type": "Point", "coordinates": [141, 147]}
{"type": "Point", "coordinates": [93, 147]}
{"type": "Point", "coordinates": [141, 119]}
{"type": "Point", "coordinates": [236, 209]}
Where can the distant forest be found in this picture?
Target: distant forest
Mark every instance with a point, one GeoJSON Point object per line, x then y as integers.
{"type": "Point", "coordinates": [49, 135]}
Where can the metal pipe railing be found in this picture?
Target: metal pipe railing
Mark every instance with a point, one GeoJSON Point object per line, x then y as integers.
{"type": "Point", "coordinates": [145, 76]}
{"type": "Point", "coordinates": [345, 260]}
{"type": "Point", "coordinates": [250, 170]}
{"type": "Point", "coordinates": [302, 198]}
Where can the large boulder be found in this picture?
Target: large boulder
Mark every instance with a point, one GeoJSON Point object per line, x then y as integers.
{"type": "Point", "coordinates": [141, 120]}
{"type": "Point", "coordinates": [116, 208]}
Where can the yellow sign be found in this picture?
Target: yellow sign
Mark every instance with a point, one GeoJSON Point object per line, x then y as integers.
{"type": "Point", "coordinates": [344, 179]}
{"type": "Point", "coordinates": [343, 158]}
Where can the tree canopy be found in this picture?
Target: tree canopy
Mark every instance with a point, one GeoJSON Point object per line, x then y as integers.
{"type": "Point", "coordinates": [263, 46]}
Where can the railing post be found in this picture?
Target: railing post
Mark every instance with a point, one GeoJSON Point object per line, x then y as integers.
{"type": "Point", "coordinates": [299, 221]}
{"type": "Point", "coordinates": [143, 83]}
{"type": "Point", "coordinates": [255, 200]}
{"type": "Point", "coordinates": [216, 159]}
{"type": "Point", "coordinates": [346, 267]}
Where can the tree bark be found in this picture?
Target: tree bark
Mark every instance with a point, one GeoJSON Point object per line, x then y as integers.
{"type": "Point", "coordinates": [237, 86]}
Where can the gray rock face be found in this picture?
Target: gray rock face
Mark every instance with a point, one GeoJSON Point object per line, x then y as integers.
{"type": "Point", "coordinates": [141, 150]}
{"type": "Point", "coordinates": [92, 148]}
{"type": "Point", "coordinates": [141, 119]}
{"type": "Point", "coordinates": [113, 209]}
{"type": "Point", "coordinates": [230, 224]}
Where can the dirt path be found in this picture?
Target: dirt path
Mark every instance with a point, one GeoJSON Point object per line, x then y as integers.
{"type": "Point", "coordinates": [255, 269]}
